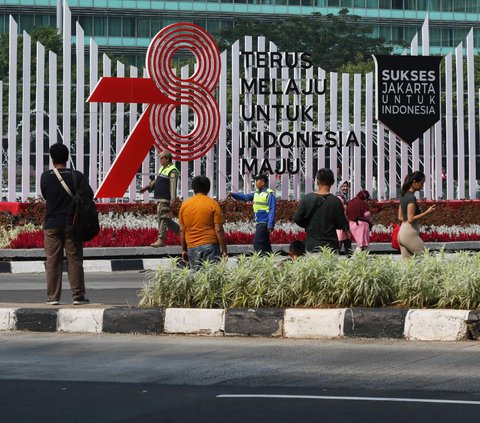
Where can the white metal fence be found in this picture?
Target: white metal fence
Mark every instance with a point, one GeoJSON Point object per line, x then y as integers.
{"type": "Point", "coordinates": [95, 132]}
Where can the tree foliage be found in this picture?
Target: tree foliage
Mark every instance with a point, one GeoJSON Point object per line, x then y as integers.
{"type": "Point", "coordinates": [46, 35]}
{"type": "Point", "coordinates": [332, 40]}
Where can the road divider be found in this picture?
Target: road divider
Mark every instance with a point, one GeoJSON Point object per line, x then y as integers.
{"type": "Point", "coordinates": [424, 325]}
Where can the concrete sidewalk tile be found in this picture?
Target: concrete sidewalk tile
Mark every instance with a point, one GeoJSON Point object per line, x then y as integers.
{"type": "Point", "coordinates": [436, 325]}
{"type": "Point", "coordinates": [36, 319]}
{"type": "Point", "coordinates": [37, 266]}
{"type": "Point", "coordinates": [97, 266]}
{"type": "Point", "coordinates": [133, 320]}
{"type": "Point", "coordinates": [314, 323]}
{"type": "Point", "coordinates": [195, 321]}
{"type": "Point", "coordinates": [365, 322]}
{"type": "Point", "coordinates": [254, 322]}
{"type": "Point", "coordinates": [7, 318]}
{"type": "Point", "coordinates": [86, 320]}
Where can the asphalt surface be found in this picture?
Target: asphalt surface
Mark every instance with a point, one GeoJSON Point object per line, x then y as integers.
{"type": "Point", "coordinates": [119, 288]}
{"type": "Point", "coordinates": [126, 378]}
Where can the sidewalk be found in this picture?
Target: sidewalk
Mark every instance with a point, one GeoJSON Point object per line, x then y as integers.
{"type": "Point", "coordinates": [113, 259]}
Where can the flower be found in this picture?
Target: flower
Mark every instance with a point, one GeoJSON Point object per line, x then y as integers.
{"type": "Point", "coordinates": [133, 230]}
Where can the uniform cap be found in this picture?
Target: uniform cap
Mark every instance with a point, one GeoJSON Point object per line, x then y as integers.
{"type": "Point", "coordinates": [261, 177]}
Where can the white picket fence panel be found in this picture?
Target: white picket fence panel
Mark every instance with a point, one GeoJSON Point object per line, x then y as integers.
{"type": "Point", "coordinates": [95, 133]}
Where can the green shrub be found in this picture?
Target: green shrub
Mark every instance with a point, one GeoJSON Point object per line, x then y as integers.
{"type": "Point", "coordinates": [320, 280]}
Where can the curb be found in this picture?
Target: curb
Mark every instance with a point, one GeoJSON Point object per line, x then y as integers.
{"type": "Point", "coordinates": [115, 265]}
{"type": "Point", "coordinates": [421, 325]}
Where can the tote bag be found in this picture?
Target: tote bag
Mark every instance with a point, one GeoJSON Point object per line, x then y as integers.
{"type": "Point", "coordinates": [396, 229]}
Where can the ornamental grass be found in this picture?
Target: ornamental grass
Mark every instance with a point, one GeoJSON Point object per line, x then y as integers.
{"type": "Point", "coordinates": [319, 280]}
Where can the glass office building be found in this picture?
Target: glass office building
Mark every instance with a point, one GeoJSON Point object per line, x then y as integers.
{"type": "Point", "coordinates": [125, 27]}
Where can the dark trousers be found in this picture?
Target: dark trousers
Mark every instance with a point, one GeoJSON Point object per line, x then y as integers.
{"type": "Point", "coordinates": [55, 241]}
{"type": "Point", "coordinates": [261, 241]}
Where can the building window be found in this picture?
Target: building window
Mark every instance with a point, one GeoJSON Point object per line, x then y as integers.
{"type": "Point", "coordinates": [26, 23]}
{"type": "Point", "coordinates": [410, 33]}
{"type": "Point", "coordinates": [422, 4]}
{"type": "Point", "coordinates": [42, 20]}
{"type": "Point", "coordinates": [86, 22]}
{"type": "Point", "coordinates": [447, 5]}
{"type": "Point", "coordinates": [447, 37]}
{"type": "Point", "coordinates": [459, 6]}
{"type": "Point", "coordinates": [372, 4]}
{"type": "Point", "coordinates": [398, 33]}
{"type": "Point", "coordinates": [471, 6]}
{"type": "Point", "coordinates": [385, 4]}
{"type": "Point", "coordinates": [157, 25]}
{"type": "Point", "coordinates": [397, 4]}
{"type": "Point", "coordinates": [458, 36]}
{"type": "Point", "coordinates": [143, 27]}
{"type": "Point", "coordinates": [435, 36]}
{"type": "Point", "coordinates": [100, 26]}
{"type": "Point", "coordinates": [385, 32]}
{"type": "Point", "coordinates": [128, 27]}
{"type": "Point", "coordinates": [114, 27]}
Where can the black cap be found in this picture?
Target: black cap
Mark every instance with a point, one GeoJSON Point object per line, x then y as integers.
{"type": "Point", "coordinates": [262, 177]}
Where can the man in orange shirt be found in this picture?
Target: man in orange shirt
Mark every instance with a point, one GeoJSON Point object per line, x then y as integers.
{"type": "Point", "coordinates": [201, 226]}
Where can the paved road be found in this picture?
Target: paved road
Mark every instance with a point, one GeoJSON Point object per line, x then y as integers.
{"type": "Point", "coordinates": [130, 378]}
{"type": "Point", "coordinates": [114, 288]}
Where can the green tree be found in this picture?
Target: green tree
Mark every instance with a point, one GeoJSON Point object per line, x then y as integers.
{"type": "Point", "coordinates": [332, 40]}
{"type": "Point", "coordinates": [46, 35]}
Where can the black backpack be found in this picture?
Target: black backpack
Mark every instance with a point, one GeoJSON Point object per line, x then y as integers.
{"type": "Point", "coordinates": [83, 223]}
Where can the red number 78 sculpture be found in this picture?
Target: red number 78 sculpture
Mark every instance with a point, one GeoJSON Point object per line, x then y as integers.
{"type": "Point", "coordinates": [163, 91]}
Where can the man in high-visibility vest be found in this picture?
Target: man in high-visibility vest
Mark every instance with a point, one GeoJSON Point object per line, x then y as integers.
{"type": "Point", "coordinates": [165, 192]}
{"type": "Point", "coordinates": [264, 208]}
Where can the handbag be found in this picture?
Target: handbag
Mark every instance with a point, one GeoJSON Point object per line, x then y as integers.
{"type": "Point", "coordinates": [395, 230]}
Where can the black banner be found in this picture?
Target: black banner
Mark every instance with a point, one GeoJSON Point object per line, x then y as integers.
{"type": "Point", "coordinates": [408, 94]}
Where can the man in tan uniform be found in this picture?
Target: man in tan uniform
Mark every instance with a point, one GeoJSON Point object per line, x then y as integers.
{"type": "Point", "coordinates": [165, 192]}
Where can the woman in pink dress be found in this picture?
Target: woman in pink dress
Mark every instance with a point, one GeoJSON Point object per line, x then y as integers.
{"type": "Point", "coordinates": [360, 219]}
{"type": "Point", "coordinates": [344, 234]}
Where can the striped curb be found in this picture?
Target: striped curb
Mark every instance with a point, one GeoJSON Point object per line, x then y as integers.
{"type": "Point", "coordinates": [307, 323]}
{"type": "Point", "coordinates": [133, 320]}
{"type": "Point", "coordinates": [7, 319]}
{"type": "Point", "coordinates": [254, 322]}
{"type": "Point", "coordinates": [375, 323]}
{"type": "Point", "coordinates": [114, 265]}
{"type": "Point", "coordinates": [196, 321]}
{"type": "Point", "coordinates": [424, 325]}
{"type": "Point", "coordinates": [438, 325]}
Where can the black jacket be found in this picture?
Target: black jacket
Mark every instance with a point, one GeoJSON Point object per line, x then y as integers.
{"type": "Point", "coordinates": [58, 201]}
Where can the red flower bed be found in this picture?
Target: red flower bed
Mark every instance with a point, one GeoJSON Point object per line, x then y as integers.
{"type": "Point", "coordinates": [123, 237]}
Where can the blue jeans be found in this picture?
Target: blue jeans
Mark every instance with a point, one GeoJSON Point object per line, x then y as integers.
{"type": "Point", "coordinates": [197, 255]}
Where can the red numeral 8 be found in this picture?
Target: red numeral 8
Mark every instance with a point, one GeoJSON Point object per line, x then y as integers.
{"type": "Point", "coordinates": [196, 92]}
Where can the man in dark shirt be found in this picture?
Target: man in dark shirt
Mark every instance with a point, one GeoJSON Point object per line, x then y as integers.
{"type": "Point", "coordinates": [321, 214]}
{"type": "Point", "coordinates": [57, 212]}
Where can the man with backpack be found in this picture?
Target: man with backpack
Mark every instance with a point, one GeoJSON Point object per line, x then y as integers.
{"type": "Point", "coordinates": [57, 236]}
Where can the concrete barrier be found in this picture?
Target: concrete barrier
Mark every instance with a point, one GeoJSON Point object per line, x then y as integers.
{"type": "Point", "coordinates": [194, 321]}
{"type": "Point", "coordinates": [314, 323]}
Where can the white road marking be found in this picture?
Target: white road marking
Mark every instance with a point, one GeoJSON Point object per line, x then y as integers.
{"type": "Point", "coordinates": [334, 398]}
